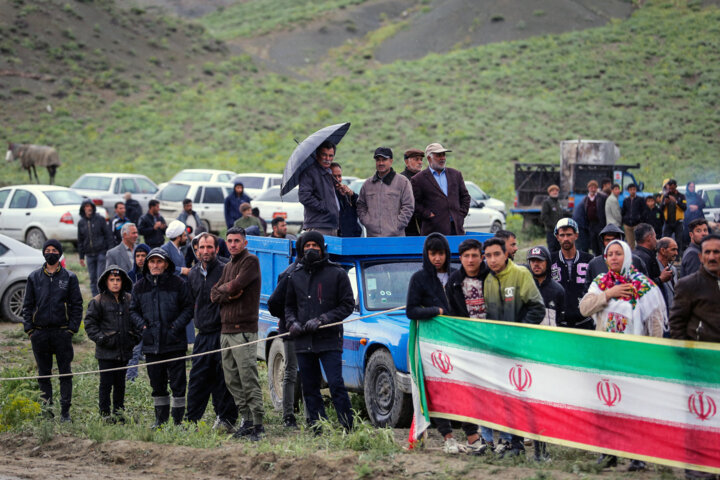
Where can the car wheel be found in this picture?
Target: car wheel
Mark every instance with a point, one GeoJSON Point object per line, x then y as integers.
{"type": "Point", "coordinates": [495, 227]}
{"type": "Point", "coordinates": [12, 302]}
{"type": "Point", "coordinates": [35, 238]}
{"type": "Point", "coordinates": [386, 404]}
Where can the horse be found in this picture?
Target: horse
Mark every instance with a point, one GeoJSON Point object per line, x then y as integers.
{"type": "Point", "coordinates": [32, 156]}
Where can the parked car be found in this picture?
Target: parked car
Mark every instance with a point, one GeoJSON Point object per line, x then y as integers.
{"type": "Point", "coordinates": [710, 192]}
{"type": "Point", "coordinates": [17, 260]}
{"type": "Point", "coordinates": [478, 195]}
{"type": "Point", "coordinates": [480, 218]}
{"type": "Point", "coordinates": [256, 183]}
{"type": "Point", "coordinates": [287, 207]}
{"type": "Point", "coordinates": [105, 189]}
{"type": "Point", "coordinates": [34, 213]}
{"type": "Point", "coordinates": [201, 175]}
{"type": "Point", "coordinates": [208, 201]}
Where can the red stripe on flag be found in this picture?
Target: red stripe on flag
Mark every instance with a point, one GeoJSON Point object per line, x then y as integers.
{"type": "Point", "coordinates": [621, 433]}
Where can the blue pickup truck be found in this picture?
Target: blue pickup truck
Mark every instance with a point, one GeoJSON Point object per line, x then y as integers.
{"type": "Point", "coordinates": [375, 348]}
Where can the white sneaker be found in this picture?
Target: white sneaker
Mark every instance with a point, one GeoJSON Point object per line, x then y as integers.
{"type": "Point", "coordinates": [501, 447]}
{"type": "Point", "coordinates": [477, 448]}
{"type": "Point", "coordinates": [452, 447]}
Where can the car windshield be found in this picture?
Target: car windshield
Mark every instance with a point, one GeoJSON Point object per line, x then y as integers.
{"type": "Point", "coordinates": [193, 177]}
{"type": "Point", "coordinates": [63, 197]}
{"type": "Point", "coordinates": [475, 192]}
{"type": "Point", "coordinates": [385, 284]}
{"type": "Point", "coordinates": [250, 181]}
{"type": "Point", "coordinates": [92, 182]}
{"type": "Point", "coordinates": [273, 195]}
{"type": "Point", "coordinates": [174, 192]}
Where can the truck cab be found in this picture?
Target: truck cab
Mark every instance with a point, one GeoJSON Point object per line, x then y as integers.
{"type": "Point", "coordinates": [374, 349]}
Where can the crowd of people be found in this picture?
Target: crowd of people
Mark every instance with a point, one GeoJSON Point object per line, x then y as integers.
{"type": "Point", "coordinates": [150, 298]}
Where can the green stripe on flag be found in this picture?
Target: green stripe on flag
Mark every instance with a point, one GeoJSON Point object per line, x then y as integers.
{"type": "Point", "coordinates": [416, 365]}
{"type": "Point", "coordinates": [580, 350]}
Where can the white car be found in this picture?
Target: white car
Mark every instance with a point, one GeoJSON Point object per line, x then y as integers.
{"type": "Point", "coordinates": [208, 201]}
{"type": "Point", "coordinates": [478, 195]}
{"type": "Point", "coordinates": [710, 192]}
{"type": "Point", "coordinates": [256, 183]}
{"type": "Point", "coordinates": [208, 175]}
{"type": "Point", "coordinates": [105, 189]}
{"type": "Point", "coordinates": [17, 261]}
{"type": "Point", "coordinates": [34, 213]}
{"type": "Point", "coordinates": [288, 207]}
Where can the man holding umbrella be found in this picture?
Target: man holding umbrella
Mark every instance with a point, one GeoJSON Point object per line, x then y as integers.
{"type": "Point", "coordinates": [317, 192]}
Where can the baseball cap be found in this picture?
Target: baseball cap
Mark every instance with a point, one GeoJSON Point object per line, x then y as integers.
{"type": "Point", "coordinates": [383, 152]}
{"type": "Point", "coordinates": [538, 254]}
{"type": "Point", "coordinates": [435, 148]}
{"type": "Point", "coordinates": [565, 223]}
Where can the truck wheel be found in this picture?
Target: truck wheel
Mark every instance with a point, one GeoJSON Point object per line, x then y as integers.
{"type": "Point", "coordinates": [12, 302]}
{"type": "Point", "coordinates": [386, 404]}
{"type": "Point", "coordinates": [495, 227]}
{"type": "Point", "coordinates": [276, 370]}
{"type": "Point", "coordinates": [35, 238]}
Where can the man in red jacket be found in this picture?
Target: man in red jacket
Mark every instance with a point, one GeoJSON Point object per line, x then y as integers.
{"type": "Point", "coordinates": [441, 199]}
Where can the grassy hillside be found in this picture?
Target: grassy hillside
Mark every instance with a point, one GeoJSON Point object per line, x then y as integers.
{"type": "Point", "coordinates": [649, 83]}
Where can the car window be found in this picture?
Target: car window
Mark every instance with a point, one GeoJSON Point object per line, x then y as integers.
{"type": "Point", "coordinates": [128, 185]}
{"type": "Point", "coordinates": [174, 192]}
{"type": "Point", "coordinates": [198, 195]}
{"type": "Point", "coordinates": [352, 275]}
{"type": "Point", "coordinates": [22, 199]}
{"type": "Point", "coordinates": [63, 197]}
{"type": "Point", "coordinates": [385, 284]}
{"type": "Point", "coordinates": [291, 196]}
{"type": "Point", "coordinates": [476, 192]}
{"type": "Point", "coordinates": [225, 177]}
{"type": "Point", "coordinates": [3, 249]}
{"type": "Point", "coordinates": [276, 181]}
{"type": "Point", "coordinates": [145, 185]}
{"type": "Point", "coordinates": [193, 177]}
{"type": "Point", "coordinates": [269, 195]}
{"type": "Point", "coordinates": [92, 182]}
{"type": "Point", "coordinates": [250, 181]}
{"type": "Point", "coordinates": [4, 194]}
{"type": "Point", "coordinates": [213, 195]}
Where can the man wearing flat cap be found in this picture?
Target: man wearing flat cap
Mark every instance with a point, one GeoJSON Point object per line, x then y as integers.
{"type": "Point", "coordinates": [385, 203]}
{"type": "Point", "coordinates": [550, 213]}
{"type": "Point", "coordinates": [441, 198]}
{"type": "Point", "coordinates": [413, 165]}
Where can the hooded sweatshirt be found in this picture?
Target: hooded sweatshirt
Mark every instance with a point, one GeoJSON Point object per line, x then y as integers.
{"type": "Point", "coordinates": [511, 296]}
{"type": "Point", "coordinates": [553, 293]}
{"type": "Point", "coordinates": [232, 204]}
{"type": "Point", "coordinates": [136, 273]}
{"type": "Point", "coordinates": [94, 236]}
{"type": "Point", "coordinates": [426, 293]}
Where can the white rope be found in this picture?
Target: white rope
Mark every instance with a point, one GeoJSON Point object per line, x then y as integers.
{"type": "Point", "coordinates": [254, 342]}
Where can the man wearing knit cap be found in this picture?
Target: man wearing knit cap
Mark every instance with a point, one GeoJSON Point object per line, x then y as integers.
{"type": "Point", "coordinates": [52, 311]}
{"type": "Point", "coordinates": [413, 165]}
{"type": "Point", "coordinates": [441, 199]}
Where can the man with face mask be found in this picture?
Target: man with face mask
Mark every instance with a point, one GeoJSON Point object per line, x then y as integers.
{"type": "Point", "coordinates": [550, 213]}
{"type": "Point", "coordinates": [52, 311]}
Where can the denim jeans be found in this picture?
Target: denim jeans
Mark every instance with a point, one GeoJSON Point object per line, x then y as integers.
{"type": "Point", "coordinates": [132, 373]}
{"type": "Point", "coordinates": [487, 435]}
{"type": "Point", "coordinates": [96, 267]}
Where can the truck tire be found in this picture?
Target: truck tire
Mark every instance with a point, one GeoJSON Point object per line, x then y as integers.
{"type": "Point", "coordinates": [12, 302]}
{"type": "Point", "coordinates": [386, 404]}
{"type": "Point", "coordinates": [276, 370]}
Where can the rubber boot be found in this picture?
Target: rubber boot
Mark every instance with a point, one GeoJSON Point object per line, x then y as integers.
{"type": "Point", "coordinates": [177, 414]}
{"type": "Point", "coordinates": [162, 414]}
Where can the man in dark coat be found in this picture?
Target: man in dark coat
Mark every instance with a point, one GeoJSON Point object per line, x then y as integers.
{"type": "Point", "coordinates": [550, 213]}
{"type": "Point", "coordinates": [118, 221]}
{"type": "Point", "coordinates": [94, 240]}
{"type": "Point", "coordinates": [593, 211]}
{"type": "Point", "coordinates": [233, 201]}
{"type": "Point", "coordinates": [206, 374]}
{"type": "Point", "coordinates": [673, 205]}
{"type": "Point", "coordinates": [317, 193]}
{"type": "Point", "coordinates": [652, 215]}
{"type": "Point", "coordinates": [552, 292]}
{"type": "Point", "coordinates": [319, 294]}
{"type": "Point", "coordinates": [52, 312]}
{"type": "Point", "coordinates": [108, 324]}
{"type": "Point", "coordinates": [569, 268]}
{"type": "Point", "coordinates": [698, 229]}
{"type": "Point", "coordinates": [348, 220]}
{"type": "Point", "coordinates": [441, 199]}
{"type": "Point", "coordinates": [632, 213]}
{"type": "Point", "coordinates": [413, 165]}
{"type": "Point", "coordinates": [133, 210]}
{"type": "Point", "coordinates": [161, 308]}
{"type": "Point", "coordinates": [646, 251]}
{"type": "Point", "coordinates": [152, 225]}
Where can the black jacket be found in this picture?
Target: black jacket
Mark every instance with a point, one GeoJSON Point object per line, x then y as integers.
{"type": "Point", "coordinates": [654, 217]}
{"type": "Point", "coordinates": [454, 291]}
{"type": "Point", "coordinates": [276, 302]}
{"type": "Point", "coordinates": [649, 266]}
{"type": "Point", "coordinates": [319, 290]}
{"type": "Point", "coordinates": [426, 295]}
{"type": "Point", "coordinates": [317, 194]}
{"type": "Point", "coordinates": [553, 295]}
{"type": "Point", "coordinates": [632, 210]}
{"type": "Point", "coordinates": [691, 260]}
{"type": "Point", "coordinates": [574, 283]}
{"type": "Point", "coordinates": [414, 226]}
{"type": "Point", "coordinates": [52, 301]}
{"type": "Point", "coordinates": [133, 210]}
{"type": "Point", "coordinates": [154, 238]}
{"type": "Point", "coordinates": [163, 304]}
{"type": "Point", "coordinates": [349, 223]}
{"type": "Point", "coordinates": [108, 323]}
{"type": "Point", "coordinates": [94, 236]}
{"type": "Point", "coordinates": [207, 313]}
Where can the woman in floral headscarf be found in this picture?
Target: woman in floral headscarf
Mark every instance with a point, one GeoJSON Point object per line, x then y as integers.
{"type": "Point", "coordinates": [624, 300]}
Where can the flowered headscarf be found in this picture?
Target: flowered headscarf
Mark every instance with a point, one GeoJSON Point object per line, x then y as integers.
{"type": "Point", "coordinates": [628, 274]}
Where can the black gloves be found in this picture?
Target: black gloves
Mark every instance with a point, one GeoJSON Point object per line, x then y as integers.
{"type": "Point", "coordinates": [295, 330]}
{"type": "Point", "coordinates": [312, 325]}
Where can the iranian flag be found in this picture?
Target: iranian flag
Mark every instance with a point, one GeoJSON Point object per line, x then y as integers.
{"type": "Point", "coordinates": [636, 397]}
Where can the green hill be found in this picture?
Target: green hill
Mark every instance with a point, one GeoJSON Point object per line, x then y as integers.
{"type": "Point", "coordinates": [649, 83]}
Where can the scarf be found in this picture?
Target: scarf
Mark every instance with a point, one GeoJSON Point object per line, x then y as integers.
{"type": "Point", "coordinates": [628, 274]}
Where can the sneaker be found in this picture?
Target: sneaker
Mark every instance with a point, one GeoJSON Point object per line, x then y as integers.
{"type": "Point", "coordinates": [541, 454]}
{"type": "Point", "coordinates": [501, 447]}
{"type": "Point", "coordinates": [245, 429]}
{"type": "Point", "coordinates": [65, 418]}
{"type": "Point", "coordinates": [257, 433]}
{"type": "Point", "coordinates": [290, 422]}
{"type": "Point", "coordinates": [607, 461]}
{"type": "Point", "coordinates": [636, 466]}
{"type": "Point", "coordinates": [452, 447]}
{"type": "Point", "coordinates": [479, 447]}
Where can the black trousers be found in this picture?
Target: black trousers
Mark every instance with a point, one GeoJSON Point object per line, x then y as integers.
{"type": "Point", "coordinates": [444, 426]}
{"type": "Point", "coordinates": [207, 378]}
{"type": "Point", "coordinates": [311, 379]}
{"type": "Point", "coordinates": [111, 382]}
{"type": "Point", "coordinates": [46, 343]}
{"type": "Point", "coordinates": [174, 372]}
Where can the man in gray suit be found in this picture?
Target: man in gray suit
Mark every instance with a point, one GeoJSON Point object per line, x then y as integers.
{"type": "Point", "coordinates": [122, 254]}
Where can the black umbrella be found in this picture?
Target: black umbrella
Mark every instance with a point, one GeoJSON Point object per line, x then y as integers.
{"type": "Point", "coordinates": [304, 154]}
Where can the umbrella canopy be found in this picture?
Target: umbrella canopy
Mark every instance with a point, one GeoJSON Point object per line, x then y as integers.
{"type": "Point", "coordinates": [304, 154]}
